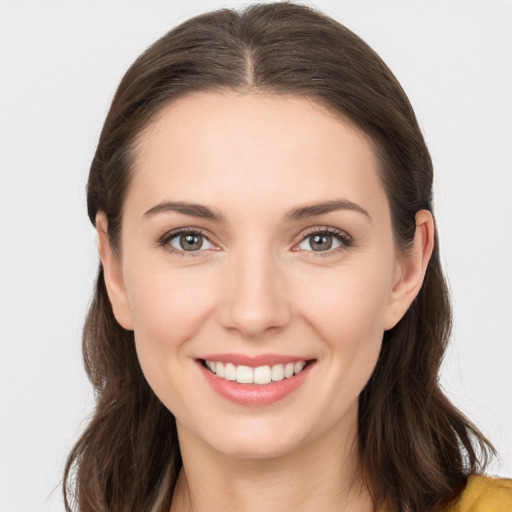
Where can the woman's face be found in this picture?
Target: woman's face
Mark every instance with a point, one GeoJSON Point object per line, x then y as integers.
{"type": "Point", "coordinates": [256, 234]}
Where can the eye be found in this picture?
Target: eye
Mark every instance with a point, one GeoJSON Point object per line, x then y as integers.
{"type": "Point", "coordinates": [325, 240]}
{"type": "Point", "coordinates": [186, 241]}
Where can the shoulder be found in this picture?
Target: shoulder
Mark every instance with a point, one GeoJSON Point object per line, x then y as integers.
{"type": "Point", "coordinates": [484, 494]}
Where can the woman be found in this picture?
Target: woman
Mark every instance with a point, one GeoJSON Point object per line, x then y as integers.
{"type": "Point", "coordinates": [270, 312]}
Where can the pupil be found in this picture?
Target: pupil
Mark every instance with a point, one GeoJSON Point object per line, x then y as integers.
{"type": "Point", "coordinates": [321, 242]}
{"type": "Point", "coordinates": [191, 242]}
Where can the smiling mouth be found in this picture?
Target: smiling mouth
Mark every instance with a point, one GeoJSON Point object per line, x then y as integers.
{"type": "Point", "coordinates": [260, 375]}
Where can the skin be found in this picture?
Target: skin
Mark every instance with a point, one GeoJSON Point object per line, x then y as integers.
{"type": "Point", "coordinates": [259, 287]}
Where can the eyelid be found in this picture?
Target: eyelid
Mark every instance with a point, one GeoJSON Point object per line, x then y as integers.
{"type": "Point", "coordinates": [163, 241]}
{"type": "Point", "coordinates": [345, 239]}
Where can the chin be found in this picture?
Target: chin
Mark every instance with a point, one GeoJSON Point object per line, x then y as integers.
{"type": "Point", "coordinates": [257, 441]}
{"type": "Point", "coordinates": [261, 450]}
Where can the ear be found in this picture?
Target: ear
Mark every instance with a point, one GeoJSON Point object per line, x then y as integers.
{"type": "Point", "coordinates": [411, 268]}
{"type": "Point", "coordinates": [112, 272]}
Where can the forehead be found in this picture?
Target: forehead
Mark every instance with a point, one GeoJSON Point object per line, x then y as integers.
{"type": "Point", "coordinates": [216, 147]}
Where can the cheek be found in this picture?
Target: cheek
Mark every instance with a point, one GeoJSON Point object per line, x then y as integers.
{"type": "Point", "coordinates": [168, 309]}
{"type": "Point", "coordinates": [348, 305]}
{"type": "Point", "coordinates": [347, 310]}
{"type": "Point", "coordinates": [168, 306]}
{"type": "Point", "coordinates": [348, 317]}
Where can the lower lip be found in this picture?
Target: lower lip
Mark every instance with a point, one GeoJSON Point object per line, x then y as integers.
{"type": "Point", "coordinates": [254, 394]}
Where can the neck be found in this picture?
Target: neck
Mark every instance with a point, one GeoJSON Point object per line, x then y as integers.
{"type": "Point", "coordinates": [321, 475]}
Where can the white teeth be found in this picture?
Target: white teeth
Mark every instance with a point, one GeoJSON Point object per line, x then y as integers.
{"type": "Point", "coordinates": [244, 375]}
{"type": "Point", "coordinates": [230, 371]}
{"type": "Point", "coordinates": [261, 375]}
{"type": "Point", "coordinates": [277, 372]}
{"type": "Point", "coordinates": [298, 367]}
{"type": "Point", "coordinates": [288, 370]}
{"type": "Point", "coordinates": [219, 369]}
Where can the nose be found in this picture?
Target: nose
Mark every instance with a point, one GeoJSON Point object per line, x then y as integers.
{"type": "Point", "coordinates": [255, 300]}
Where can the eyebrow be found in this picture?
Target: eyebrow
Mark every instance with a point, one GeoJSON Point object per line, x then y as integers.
{"type": "Point", "coordinates": [302, 212]}
{"type": "Point", "coordinates": [185, 208]}
{"type": "Point", "coordinates": [310, 210]}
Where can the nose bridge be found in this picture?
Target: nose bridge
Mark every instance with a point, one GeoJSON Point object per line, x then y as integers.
{"type": "Point", "coordinates": [256, 299]}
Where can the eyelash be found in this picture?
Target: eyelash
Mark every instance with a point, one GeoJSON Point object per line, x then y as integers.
{"type": "Point", "coordinates": [164, 240]}
{"type": "Point", "coordinates": [345, 240]}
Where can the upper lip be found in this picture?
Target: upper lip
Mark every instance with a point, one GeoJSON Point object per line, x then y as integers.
{"type": "Point", "coordinates": [255, 360]}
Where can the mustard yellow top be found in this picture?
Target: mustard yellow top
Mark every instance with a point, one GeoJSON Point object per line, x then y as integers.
{"type": "Point", "coordinates": [484, 494]}
{"type": "Point", "coordinates": [481, 494]}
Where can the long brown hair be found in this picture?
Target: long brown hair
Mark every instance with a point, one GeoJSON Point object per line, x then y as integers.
{"type": "Point", "coordinates": [416, 448]}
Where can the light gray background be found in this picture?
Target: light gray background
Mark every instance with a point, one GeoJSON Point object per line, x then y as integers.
{"type": "Point", "coordinates": [60, 62]}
